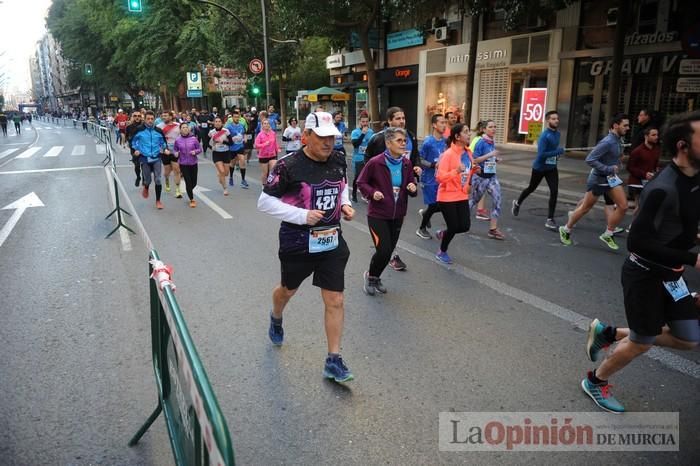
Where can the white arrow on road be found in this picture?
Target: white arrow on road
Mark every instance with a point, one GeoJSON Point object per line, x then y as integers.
{"type": "Point", "coordinates": [199, 192]}
{"type": "Point", "coordinates": [19, 206]}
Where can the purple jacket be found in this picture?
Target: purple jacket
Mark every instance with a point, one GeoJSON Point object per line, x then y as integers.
{"type": "Point", "coordinates": [377, 177]}
{"type": "Point", "coordinates": [184, 147]}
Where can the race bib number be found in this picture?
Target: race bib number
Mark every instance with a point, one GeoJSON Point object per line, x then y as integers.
{"type": "Point", "coordinates": [323, 240]}
{"type": "Point", "coordinates": [464, 178]}
{"type": "Point", "coordinates": [397, 191]}
{"type": "Point", "coordinates": [490, 167]}
{"type": "Point", "coordinates": [614, 180]}
{"type": "Point", "coordinates": [218, 147]}
{"type": "Point", "coordinates": [551, 160]}
{"type": "Point", "coordinates": [362, 149]}
{"type": "Point", "coordinates": [677, 289]}
{"type": "Point", "coordinates": [237, 138]}
{"type": "Point", "coordinates": [205, 125]}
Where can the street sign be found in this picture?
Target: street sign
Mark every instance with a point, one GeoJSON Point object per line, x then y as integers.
{"type": "Point", "coordinates": [532, 107]}
{"type": "Point", "coordinates": [256, 66]}
{"type": "Point", "coordinates": [194, 84]}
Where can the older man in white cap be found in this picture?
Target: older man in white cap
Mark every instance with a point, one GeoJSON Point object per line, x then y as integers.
{"type": "Point", "coordinates": [308, 191]}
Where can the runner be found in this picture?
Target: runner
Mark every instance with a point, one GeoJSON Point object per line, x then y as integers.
{"type": "Point", "coordinates": [237, 130]}
{"type": "Point", "coordinates": [308, 191]}
{"type": "Point", "coordinates": [486, 180]}
{"type": "Point", "coordinates": [659, 309]}
{"type": "Point", "coordinates": [545, 166]}
{"type": "Point", "coordinates": [204, 129]}
{"type": "Point", "coordinates": [481, 212]}
{"type": "Point", "coordinates": [292, 136]}
{"type": "Point", "coordinates": [360, 137]}
{"type": "Point", "coordinates": [187, 147]}
{"type": "Point", "coordinates": [454, 174]}
{"type": "Point", "coordinates": [387, 180]}
{"type": "Point", "coordinates": [121, 121]}
{"type": "Point", "coordinates": [17, 120]}
{"type": "Point", "coordinates": [643, 164]}
{"type": "Point", "coordinates": [171, 130]}
{"type": "Point", "coordinates": [450, 120]}
{"type": "Point", "coordinates": [266, 144]}
{"type": "Point", "coordinates": [131, 129]}
{"type": "Point", "coordinates": [149, 144]}
{"type": "Point", "coordinates": [3, 122]}
{"type": "Point", "coordinates": [220, 140]}
{"type": "Point", "coordinates": [340, 125]}
{"type": "Point", "coordinates": [605, 160]}
{"type": "Point", "coordinates": [430, 151]}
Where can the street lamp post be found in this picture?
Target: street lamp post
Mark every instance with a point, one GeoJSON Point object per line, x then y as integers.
{"type": "Point", "coordinates": [268, 92]}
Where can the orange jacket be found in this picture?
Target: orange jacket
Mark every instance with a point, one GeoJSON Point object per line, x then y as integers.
{"type": "Point", "coordinates": [454, 185]}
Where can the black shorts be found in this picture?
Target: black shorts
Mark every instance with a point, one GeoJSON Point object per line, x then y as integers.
{"type": "Point", "coordinates": [648, 305]}
{"type": "Point", "coordinates": [224, 157]}
{"type": "Point", "coordinates": [266, 160]}
{"type": "Point", "coordinates": [328, 268]}
{"type": "Point", "coordinates": [167, 158]}
{"type": "Point", "coordinates": [236, 153]}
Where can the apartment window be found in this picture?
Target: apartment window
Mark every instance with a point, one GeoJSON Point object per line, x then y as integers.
{"type": "Point", "coordinates": [530, 49]}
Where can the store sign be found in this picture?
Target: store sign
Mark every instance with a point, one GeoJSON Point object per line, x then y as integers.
{"type": "Point", "coordinates": [401, 74]}
{"type": "Point", "coordinates": [354, 58]}
{"type": "Point", "coordinates": [334, 61]}
{"type": "Point", "coordinates": [532, 107]}
{"type": "Point", "coordinates": [489, 54]}
{"type": "Point", "coordinates": [403, 39]}
{"type": "Point", "coordinates": [194, 84]}
{"type": "Point", "coordinates": [638, 65]}
{"type": "Point", "coordinates": [688, 85]}
{"type": "Point", "coordinates": [657, 37]}
{"type": "Point", "coordinates": [689, 67]}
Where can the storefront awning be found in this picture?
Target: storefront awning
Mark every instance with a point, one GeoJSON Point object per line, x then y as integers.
{"type": "Point", "coordinates": [327, 93]}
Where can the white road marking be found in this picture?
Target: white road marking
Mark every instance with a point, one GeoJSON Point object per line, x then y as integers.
{"type": "Point", "coordinates": [199, 192]}
{"type": "Point", "coordinates": [101, 149]}
{"type": "Point", "coordinates": [78, 150]}
{"type": "Point", "coordinates": [28, 153]}
{"type": "Point", "coordinates": [54, 151]}
{"type": "Point", "coordinates": [19, 206]}
{"type": "Point", "coordinates": [123, 233]}
{"type": "Point", "coordinates": [8, 152]}
{"type": "Point", "coordinates": [67, 169]}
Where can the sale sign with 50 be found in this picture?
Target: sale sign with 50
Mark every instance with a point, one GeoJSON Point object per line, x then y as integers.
{"type": "Point", "coordinates": [532, 107]}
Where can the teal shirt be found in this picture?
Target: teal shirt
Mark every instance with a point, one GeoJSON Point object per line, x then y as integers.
{"type": "Point", "coordinates": [396, 169]}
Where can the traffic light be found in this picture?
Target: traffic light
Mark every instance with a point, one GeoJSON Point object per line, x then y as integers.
{"type": "Point", "coordinates": [88, 69]}
{"type": "Point", "coordinates": [256, 90]}
{"type": "Point", "coordinates": [135, 6]}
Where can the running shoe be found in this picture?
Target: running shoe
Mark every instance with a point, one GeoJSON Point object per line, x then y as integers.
{"type": "Point", "coordinates": [551, 224]}
{"type": "Point", "coordinates": [167, 185]}
{"type": "Point", "coordinates": [618, 230]}
{"type": "Point", "coordinates": [443, 257]}
{"type": "Point", "coordinates": [397, 264]}
{"type": "Point", "coordinates": [225, 192]}
{"type": "Point", "coordinates": [230, 181]}
{"type": "Point", "coordinates": [515, 210]}
{"type": "Point", "coordinates": [378, 285]}
{"type": "Point", "coordinates": [336, 369]}
{"type": "Point", "coordinates": [596, 340]}
{"type": "Point", "coordinates": [609, 241]}
{"type": "Point", "coordinates": [482, 214]}
{"type": "Point", "coordinates": [439, 234]}
{"type": "Point", "coordinates": [138, 181]}
{"type": "Point", "coordinates": [244, 184]}
{"type": "Point", "coordinates": [178, 194]}
{"type": "Point", "coordinates": [276, 332]}
{"type": "Point", "coordinates": [368, 284]}
{"type": "Point", "coordinates": [144, 192]}
{"type": "Point", "coordinates": [421, 212]}
{"type": "Point", "coordinates": [496, 234]}
{"type": "Point", "coordinates": [423, 233]}
{"type": "Point", "coordinates": [564, 237]}
{"type": "Point", "coordinates": [601, 395]}
{"type": "Point", "coordinates": [159, 205]}
{"type": "Point", "coordinates": [193, 203]}
{"type": "Point", "coordinates": [353, 198]}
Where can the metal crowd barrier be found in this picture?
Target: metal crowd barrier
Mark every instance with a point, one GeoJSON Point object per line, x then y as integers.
{"type": "Point", "coordinates": [196, 426]}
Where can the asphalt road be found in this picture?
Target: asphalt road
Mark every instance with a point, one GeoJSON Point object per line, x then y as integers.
{"type": "Point", "coordinates": [498, 331]}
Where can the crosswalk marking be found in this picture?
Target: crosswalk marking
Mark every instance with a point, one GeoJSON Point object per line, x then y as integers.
{"type": "Point", "coordinates": [101, 150]}
{"type": "Point", "coordinates": [29, 152]}
{"type": "Point", "coordinates": [7, 152]}
{"type": "Point", "coordinates": [78, 150]}
{"type": "Point", "coordinates": [54, 151]}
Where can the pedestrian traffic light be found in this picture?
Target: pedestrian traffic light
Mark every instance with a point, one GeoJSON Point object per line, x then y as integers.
{"type": "Point", "coordinates": [256, 90]}
{"type": "Point", "coordinates": [135, 6]}
{"type": "Point", "coordinates": [88, 69]}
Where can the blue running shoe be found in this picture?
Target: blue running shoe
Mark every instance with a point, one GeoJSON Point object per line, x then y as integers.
{"type": "Point", "coordinates": [276, 331]}
{"type": "Point", "coordinates": [596, 340]}
{"type": "Point", "coordinates": [337, 370]}
{"type": "Point", "coordinates": [230, 181]}
{"type": "Point", "coordinates": [601, 395]}
{"type": "Point", "coordinates": [244, 184]}
{"type": "Point", "coordinates": [443, 257]}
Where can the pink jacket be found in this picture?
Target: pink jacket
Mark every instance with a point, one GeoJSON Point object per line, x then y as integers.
{"type": "Point", "coordinates": [266, 144]}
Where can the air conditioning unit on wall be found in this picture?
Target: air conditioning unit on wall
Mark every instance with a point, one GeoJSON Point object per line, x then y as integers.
{"type": "Point", "coordinates": [441, 34]}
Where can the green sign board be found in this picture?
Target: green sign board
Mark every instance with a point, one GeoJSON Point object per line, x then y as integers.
{"type": "Point", "coordinates": [403, 39]}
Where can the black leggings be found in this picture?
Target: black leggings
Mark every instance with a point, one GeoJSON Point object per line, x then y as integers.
{"type": "Point", "coordinates": [385, 235]}
{"type": "Point", "coordinates": [4, 129]}
{"type": "Point", "coordinates": [428, 213]}
{"type": "Point", "coordinates": [189, 173]}
{"type": "Point", "coordinates": [552, 178]}
{"type": "Point", "coordinates": [456, 216]}
{"type": "Point", "coordinates": [358, 166]}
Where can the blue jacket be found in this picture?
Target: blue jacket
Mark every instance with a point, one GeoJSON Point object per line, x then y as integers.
{"type": "Point", "coordinates": [150, 142]}
{"type": "Point", "coordinates": [339, 139]}
{"type": "Point", "coordinates": [430, 153]}
{"type": "Point", "coordinates": [237, 131]}
{"type": "Point", "coordinates": [548, 151]}
{"type": "Point", "coordinates": [605, 155]}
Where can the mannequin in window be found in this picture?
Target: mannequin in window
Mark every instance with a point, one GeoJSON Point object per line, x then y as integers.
{"type": "Point", "coordinates": [441, 103]}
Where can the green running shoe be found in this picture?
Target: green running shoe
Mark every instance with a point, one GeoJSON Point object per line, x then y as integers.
{"type": "Point", "coordinates": [564, 237]}
{"type": "Point", "coordinates": [609, 241]}
{"type": "Point", "coordinates": [596, 340]}
{"type": "Point", "coordinates": [601, 395]}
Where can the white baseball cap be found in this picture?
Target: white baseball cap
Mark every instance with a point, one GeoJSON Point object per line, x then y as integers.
{"type": "Point", "coordinates": [322, 124]}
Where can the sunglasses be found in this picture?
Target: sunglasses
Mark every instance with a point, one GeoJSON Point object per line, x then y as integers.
{"type": "Point", "coordinates": [400, 141]}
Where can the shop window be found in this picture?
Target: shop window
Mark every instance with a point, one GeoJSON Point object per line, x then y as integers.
{"type": "Point", "coordinates": [539, 48]}
{"type": "Point", "coordinates": [520, 49]}
{"type": "Point", "coordinates": [518, 81]}
{"type": "Point", "coordinates": [443, 94]}
{"type": "Point", "coordinates": [436, 60]}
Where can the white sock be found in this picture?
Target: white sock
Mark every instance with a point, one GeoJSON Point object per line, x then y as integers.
{"type": "Point", "coordinates": [566, 228]}
{"type": "Point", "coordinates": [608, 232]}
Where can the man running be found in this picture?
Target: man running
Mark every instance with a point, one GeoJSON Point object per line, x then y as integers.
{"type": "Point", "coordinates": [360, 138]}
{"type": "Point", "coordinates": [120, 121]}
{"type": "Point", "coordinates": [131, 129]}
{"type": "Point", "coordinates": [659, 309]}
{"type": "Point", "coordinates": [308, 191]}
{"type": "Point", "coordinates": [171, 131]}
{"type": "Point", "coordinates": [237, 130]}
{"type": "Point", "coordinates": [340, 125]}
{"type": "Point", "coordinates": [643, 163]}
{"type": "Point", "coordinates": [430, 151]}
{"type": "Point", "coordinates": [149, 144]}
{"type": "Point", "coordinates": [3, 123]}
{"type": "Point", "coordinates": [605, 162]}
{"type": "Point", "coordinates": [17, 120]}
{"type": "Point", "coordinates": [545, 166]}
{"type": "Point", "coordinates": [204, 128]}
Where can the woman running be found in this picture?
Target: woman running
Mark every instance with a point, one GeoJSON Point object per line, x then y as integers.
{"type": "Point", "coordinates": [386, 180]}
{"type": "Point", "coordinates": [266, 144]}
{"type": "Point", "coordinates": [486, 179]}
{"type": "Point", "coordinates": [292, 136]}
{"type": "Point", "coordinates": [219, 141]}
{"type": "Point", "coordinates": [187, 147]}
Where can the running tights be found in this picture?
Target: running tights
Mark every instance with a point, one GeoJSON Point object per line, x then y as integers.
{"type": "Point", "coordinates": [189, 173]}
{"type": "Point", "coordinates": [358, 166]}
{"type": "Point", "coordinates": [552, 178]}
{"type": "Point", "coordinates": [428, 213]}
{"type": "Point", "coordinates": [385, 235]}
{"type": "Point", "coordinates": [457, 219]}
